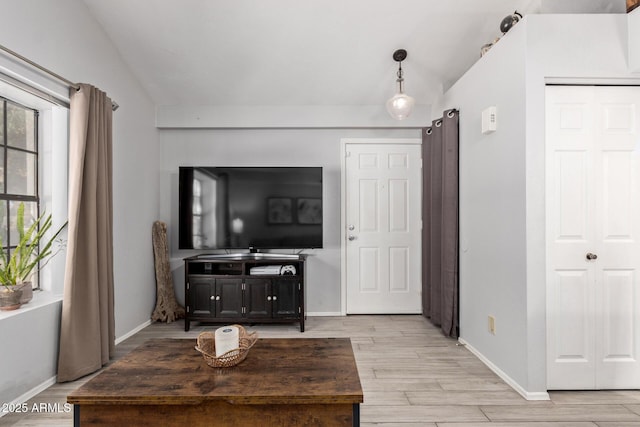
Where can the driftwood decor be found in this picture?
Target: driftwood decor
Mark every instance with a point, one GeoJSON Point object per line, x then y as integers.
{"type": "Point", "coordinates": [167, 308]}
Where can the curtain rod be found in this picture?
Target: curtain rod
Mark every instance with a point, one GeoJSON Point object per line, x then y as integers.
{"type": "Point", "coordinates": [114, 105]}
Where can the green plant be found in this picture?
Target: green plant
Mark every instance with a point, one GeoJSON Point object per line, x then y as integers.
{"type": "Point", "coordinates": [27, 254]}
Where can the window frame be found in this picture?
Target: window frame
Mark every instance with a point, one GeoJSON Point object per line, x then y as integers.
{"type": "Point", "coordinates": [10, 198]}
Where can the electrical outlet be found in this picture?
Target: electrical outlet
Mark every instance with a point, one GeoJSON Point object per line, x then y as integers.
{"type": "Point", "coordinates": [492, 325]}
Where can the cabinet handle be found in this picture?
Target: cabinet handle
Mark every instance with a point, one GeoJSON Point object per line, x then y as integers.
{"type": "Point", "coordinates": [213, 298]}
{"type": "Point", "coordinates": [268, 298]}
{"type": "Point", "coordinates": [275, 298]}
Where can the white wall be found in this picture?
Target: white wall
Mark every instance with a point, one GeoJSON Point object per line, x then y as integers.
{"type": "Point", "coordinates": [29, 350]}
{"type": "Point", "coordinates": [502, 224]}
{"type": "Point", "coordinates": [634, 40]}
{"type": "Point", "coordinates": [583, 6]}
{"type": "Point", "coordinates": [287, 117]}
{"type": "Point", "coordinates": [492, 205]}
{"type": "Point", "coordinates": [268, 147]}
{"type": "Point", "coordinates": [63, 37]}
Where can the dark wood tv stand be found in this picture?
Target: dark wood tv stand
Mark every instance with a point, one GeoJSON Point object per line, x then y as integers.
{"type": "Point", "coordinates": [222, 288]}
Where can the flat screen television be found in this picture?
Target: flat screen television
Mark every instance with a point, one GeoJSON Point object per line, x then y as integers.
{"type": "Point", "coordinates": [250, 207]}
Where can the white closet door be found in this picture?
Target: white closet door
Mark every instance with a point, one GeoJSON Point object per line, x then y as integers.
{"type": "Point", "coordinates": [593, 237]}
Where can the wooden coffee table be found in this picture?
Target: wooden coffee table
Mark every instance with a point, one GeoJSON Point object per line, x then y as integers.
{"type": "Point", "coordinates": [295, 381]}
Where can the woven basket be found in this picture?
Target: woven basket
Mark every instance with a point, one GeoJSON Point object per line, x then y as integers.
{"type": "Point", "coordinates": [207, 346]}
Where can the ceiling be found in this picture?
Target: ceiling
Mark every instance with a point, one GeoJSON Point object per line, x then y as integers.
{"type": "Point", "coordinates": [299, 52]}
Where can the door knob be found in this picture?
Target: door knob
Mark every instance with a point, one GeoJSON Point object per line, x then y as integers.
{"type": "Point", "coordinates": [591, 256]}
{"type": "Point", "coordinates": [352, 237]}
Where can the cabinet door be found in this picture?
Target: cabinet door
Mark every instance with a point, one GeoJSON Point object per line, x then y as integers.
{"type": "Point", "coordinates": [201, 296]}
{"type": "Point", "coordinates": [286, 297]}
{"type": "Point", "coordinates": [258, 298]}
{"type": "Point", "coordinates": [229, 298]}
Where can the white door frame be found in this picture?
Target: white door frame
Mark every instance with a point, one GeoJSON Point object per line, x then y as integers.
{"type": "Point", "coordinates": [343, 203]}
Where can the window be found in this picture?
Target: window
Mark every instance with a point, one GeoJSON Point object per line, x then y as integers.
{"type": "Point", "coordinates": [18, 169]}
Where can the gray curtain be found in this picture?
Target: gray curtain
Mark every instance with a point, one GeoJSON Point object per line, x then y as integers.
{"type": "Point", "coordinates": [87, 335]}
{"type": "Point", "coordinates": [440, 223]}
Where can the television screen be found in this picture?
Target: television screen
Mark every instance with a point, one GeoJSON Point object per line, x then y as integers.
{"type": "Point", "coordinates": [250, 207]}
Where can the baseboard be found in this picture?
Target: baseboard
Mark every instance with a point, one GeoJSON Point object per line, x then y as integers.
{"type": "Point", "coordinates": [324, 314]}
{"type": "Point", "coordinates": [506, 378]}
{"type": "Point", "coordinates": [133, 332]}
{"type": "Point", "coordinates": [29, 394]}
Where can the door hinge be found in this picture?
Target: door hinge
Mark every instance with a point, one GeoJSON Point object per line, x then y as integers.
{"type": "Point", "coordinates": [188, 309]}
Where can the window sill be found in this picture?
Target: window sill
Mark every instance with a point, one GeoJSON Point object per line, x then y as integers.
{"type": "Point", "coordinates": [40, 299]}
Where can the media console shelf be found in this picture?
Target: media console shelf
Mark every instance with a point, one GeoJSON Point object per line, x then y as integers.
{"type": "Point", "coordinates": [222, 288]}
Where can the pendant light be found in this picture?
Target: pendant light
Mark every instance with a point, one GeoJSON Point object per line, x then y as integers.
{"type": "Point", "coordinates": [400, 105]}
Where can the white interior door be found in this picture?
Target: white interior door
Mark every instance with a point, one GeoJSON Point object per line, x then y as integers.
{"type": "Point", "coordinates": [593, 237]}
{"type": "Point", "coordinates": [383, 186]}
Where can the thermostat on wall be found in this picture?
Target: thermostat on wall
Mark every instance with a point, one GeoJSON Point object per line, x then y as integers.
{"type": "Point", "coordinates": [489, 120]}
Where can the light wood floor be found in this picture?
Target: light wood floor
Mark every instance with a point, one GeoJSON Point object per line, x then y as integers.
{"type": "Point", "coordinates": [411, 376]}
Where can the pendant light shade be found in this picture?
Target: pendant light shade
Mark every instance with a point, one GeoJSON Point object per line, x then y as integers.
{"type": "Point", "coordinates": [400, 105]}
